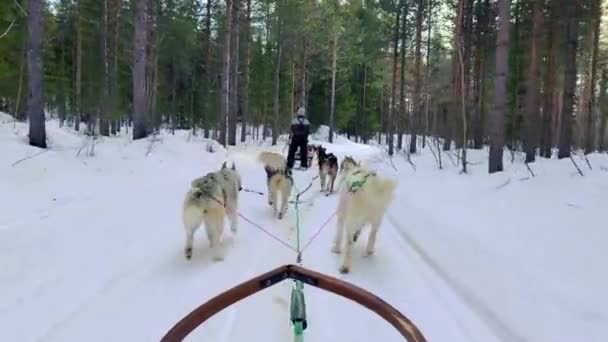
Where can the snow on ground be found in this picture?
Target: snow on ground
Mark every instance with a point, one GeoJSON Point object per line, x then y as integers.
{"type": "Point", "coordinates": [91, 246]}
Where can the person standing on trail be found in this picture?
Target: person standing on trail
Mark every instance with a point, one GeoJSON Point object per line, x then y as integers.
{"type": "Point", "coordinates": [300, 129]}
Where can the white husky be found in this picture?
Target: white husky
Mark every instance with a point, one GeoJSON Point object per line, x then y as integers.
{"type": "Point", "coordinates": [210, 199]}
{"type": "Point", "coordinates": [364, 198]}
{"type": "Point", "coordinates": [278, 180]}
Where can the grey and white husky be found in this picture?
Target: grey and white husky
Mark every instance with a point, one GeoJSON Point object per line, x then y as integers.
{"type": "Point", "coordinates": [210, 199]}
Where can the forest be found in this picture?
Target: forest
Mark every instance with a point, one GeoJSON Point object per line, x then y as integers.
{"type": "Point", "coordinates": [521, 76]}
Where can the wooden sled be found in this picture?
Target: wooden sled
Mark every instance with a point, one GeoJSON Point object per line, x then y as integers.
{"type": "Point", "coordinates": [185, 326]}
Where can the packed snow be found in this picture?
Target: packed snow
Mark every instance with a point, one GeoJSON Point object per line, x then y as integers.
{"type": "Point", "coordinates": [91, 245]}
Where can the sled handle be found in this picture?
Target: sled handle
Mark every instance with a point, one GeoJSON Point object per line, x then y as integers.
{"type": "Point", "coordinates": [216, 304]}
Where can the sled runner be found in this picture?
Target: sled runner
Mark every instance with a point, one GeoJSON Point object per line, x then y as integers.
{"type": "Point", "coordinates": [191, 321]}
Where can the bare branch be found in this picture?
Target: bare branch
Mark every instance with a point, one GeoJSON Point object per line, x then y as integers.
{"type": "Point", "coordinates": [578, 168]}
{"type": "Point", "coordinates": [529, 169]}
{"type": "Point", "coordinates": [8, 29]}
{"type": "Point", "coordinates": [504, 184]}
{"type": "Point", "coordinates": [30, 157]}
{"type": "Point", "coordinates": [21, 8]}
{"type": "Point", "coordinates": [408, 158]}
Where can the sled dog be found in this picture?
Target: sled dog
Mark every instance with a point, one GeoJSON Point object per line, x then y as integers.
{"type": "Point", "coordinates": [364, 198]}
{"type": "Point", "coordinates": [328, 166]}
{"type": "Point", "coordinates": [312, 150]}
{"type": "Point", "coordinates": [278, 180]}
{"type": "Point", "coordinates": [348, 163]}
{"type": "Point", "coordinates": [210, 199]}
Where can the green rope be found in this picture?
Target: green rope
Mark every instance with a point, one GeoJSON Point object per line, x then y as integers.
{"type": "Point", "coordinates": [298, 306]}
{"type": "Point", "coordinates": [298, 332]}
{"type": "Point", "coordinates": [298, 228]}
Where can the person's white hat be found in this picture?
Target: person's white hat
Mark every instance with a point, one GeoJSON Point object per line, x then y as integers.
{"type": "Point", "coordinates": [301, 112]}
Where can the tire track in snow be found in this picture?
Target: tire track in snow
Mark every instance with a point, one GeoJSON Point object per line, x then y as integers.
{"type": "Point", "coordinates": [488, 316]}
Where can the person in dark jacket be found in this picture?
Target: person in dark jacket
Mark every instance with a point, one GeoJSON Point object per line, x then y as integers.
{"type": "Point", "coordinates": [300, 129]}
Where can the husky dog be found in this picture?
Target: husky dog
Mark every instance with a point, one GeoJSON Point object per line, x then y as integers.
{"type": "Point", "coordinates": [312, 150]}
{"type": "Point", "coordinates": [347, 163]}
{"type": "Point", "coordinates": [364, 198]}
{"type": "Point", "coordinates": [210, 199]}
{"type": "Point", "coordinates": [328, 166]}
{"type": "Point", "coordinates": [278, 179]}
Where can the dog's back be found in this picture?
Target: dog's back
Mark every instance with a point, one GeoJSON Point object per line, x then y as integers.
{"type": "Point", "coordinates": [371, 193]}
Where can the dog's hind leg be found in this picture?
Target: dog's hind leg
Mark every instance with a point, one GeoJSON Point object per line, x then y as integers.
{"type": "Point", "coordinates": [340, 224]}
{"type": "Point", "coordinates": [192, 220]}
{"type": "Point", "coordinates": [269, 192]}
{"type": "Point", "coordinates": [348, 248]}
{"type": "Point", "coordinates": [371, 240]}
{"type": "Point", "coordinates": [322, 174]}
{"type": "Point", "coordinates": [189, 242]}
{"type": "Point", "coordinates": [273, 195]}
{"type": "Point", "coordinates": [338, 237]}
{"type": "Point", "coordinates": [333, 179]}
{"type": "Point", "coordinates": [233, 217]}
{"type": "Point", "coordinates": [215, 229]}
{"type": "Point", "coordinates": [284, 200]}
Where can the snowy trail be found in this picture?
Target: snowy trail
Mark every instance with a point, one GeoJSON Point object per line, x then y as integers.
{"type": "Point", "coordinates": [91, 248]}
{"type": "Point", "coordinates": [125, 258]}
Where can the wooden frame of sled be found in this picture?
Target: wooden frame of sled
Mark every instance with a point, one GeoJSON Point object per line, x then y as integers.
{"type": "Point", "coordinates": [216, 304]}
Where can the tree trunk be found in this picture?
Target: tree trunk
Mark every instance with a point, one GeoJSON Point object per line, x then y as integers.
{"type": "Point", "coordinates": [35, 103]}
{"type": "Point", "coordinates": [603, 106]}
{"type": "Point", "coordinates": [364, 135]}
{"type": "Point", "coordinates": [403, 110]}
{"type": "Point", "coordinates": [391, 108]}
{"type": "Point", "coordinates": [597, 18]}
{"type": "Point", "coordinates": [497, 122]}
{"type": "Point", "coordinates": [334, 67]}
{"type": "Point", "coordinates": [550, 83]}
{"type": "Point", "coordinates": [303, 76]}
{"type": "Point", "coordinates": [277, 83]}
{"type": "Point", "coordinates": [78, 90]}
{"type": "Point", "coordinates": [225, 100]}
{"type": "Point", "coordinates": [208, 77]}
{"type": "Point", "coordinates": [104, 124]}
{"type": "Point", "coordinates": [234, 72]}
{"type": "Point", "coordinates": [22, 63]}
{"type": "Point", "coordinates": [246, 72]}
{"type": "Point", "coordinates": [480, 70]}
{"type": "Point", "coordinates": [139, 71]}
{"type": "Point", "coordinates": [565, 140]}
{"type": "Point", "coordinates": [113, 16]}
{"type": "Point", "coordinates": [533, 91]}
{"type": "Point", "coordinates": [462, 77]}
{"type": "Point", "coordinates": [61, 95]}
{"type": "Point", "coordinates": [428, 72]}
{"type": "Point", "coordinates": [416, 118]}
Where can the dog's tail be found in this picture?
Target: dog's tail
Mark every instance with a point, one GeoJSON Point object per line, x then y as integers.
{"type": "Point", "coordinates": [273, 161]}
{"type": "Point", "coordinates": [386, 187]}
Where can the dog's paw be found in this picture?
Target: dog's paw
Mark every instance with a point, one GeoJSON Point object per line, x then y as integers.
{"type": "Point", "coordinates": [336, 250]}
{"type": "Point", "coordinates": [218, 257]}
{"type": "Point", "coordinates": [188, 253]}
{"type": "Point", "coordinates": [368, 252]}
{"type": "Point", "coordinates": [344, 269]}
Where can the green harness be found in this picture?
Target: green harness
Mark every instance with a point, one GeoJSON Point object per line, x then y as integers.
{"type": "Point", "coordinates": [354, 181]}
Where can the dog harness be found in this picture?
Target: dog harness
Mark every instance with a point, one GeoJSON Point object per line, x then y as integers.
{"type": "Point", "coordinates": [354, 181]}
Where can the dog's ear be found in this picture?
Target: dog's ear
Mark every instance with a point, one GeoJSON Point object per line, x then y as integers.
{"type": "Point", "coordinates": [234, 166]}
{"type": "Point", "coordinates": [224, 166]}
